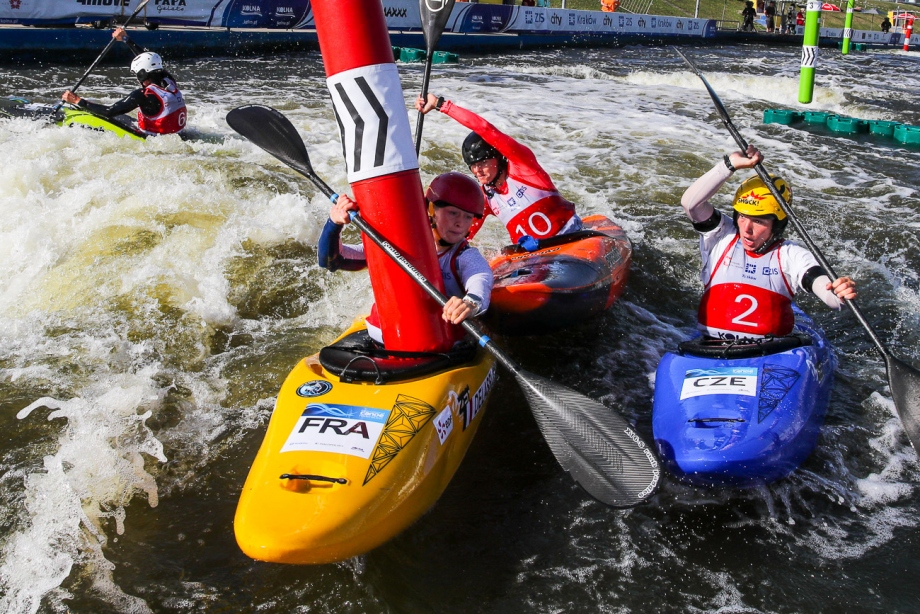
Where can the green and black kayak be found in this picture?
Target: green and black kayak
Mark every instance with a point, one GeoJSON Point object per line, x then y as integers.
{"type": "Point", "coordinates": [68, 116]}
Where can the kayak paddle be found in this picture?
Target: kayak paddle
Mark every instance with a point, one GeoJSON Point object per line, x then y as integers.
{"type": "Point", "coordinates": [103, 54]}
{"type": "Point", "coordinates": [903, 379]}
{"type": "Point", "coordinates": [595, 445]}
{"type": "Point", "coordinates": [434, 17]}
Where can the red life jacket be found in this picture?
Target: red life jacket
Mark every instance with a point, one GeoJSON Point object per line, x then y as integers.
{"type": "Point", "coordinates": [747, 295]}
{"type": "Point", "coordinates": [527, 210]}
{"type": "Point", "coordinates": [172, 115]}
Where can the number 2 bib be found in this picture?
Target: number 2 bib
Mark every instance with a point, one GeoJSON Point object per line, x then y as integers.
{"type": "Point", "coordinates": [747, 296]}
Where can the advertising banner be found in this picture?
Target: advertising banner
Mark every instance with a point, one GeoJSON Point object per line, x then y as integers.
{"type": "Point", "coordinates": [466, 18]}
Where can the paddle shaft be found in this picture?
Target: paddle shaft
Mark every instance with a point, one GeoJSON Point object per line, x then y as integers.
{"type": "Point", "coordinates": [104, 52]}
{"type": "Point", "coordinates": [421, 116]}
{"type": "Point", "coordinates": [434, 16]}
{"type": "Point", "coordinates": [139, 8]}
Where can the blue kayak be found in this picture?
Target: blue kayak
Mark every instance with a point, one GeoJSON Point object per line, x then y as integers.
{"type": "Point", "coordinates": [742, 413]}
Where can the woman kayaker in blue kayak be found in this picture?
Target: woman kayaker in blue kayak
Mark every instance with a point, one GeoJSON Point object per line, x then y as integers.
{"type": "Point", "coordinates": [750, 272]}
{"type": "Point", "coordinates": [520, 193]}
{"type": "Point", "coordinates": [454, 201]}
{"type": "Point", "coordinates": [160, 104]}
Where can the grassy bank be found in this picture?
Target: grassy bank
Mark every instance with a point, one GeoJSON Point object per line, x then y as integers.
{"type": "Point", "coordinates": [730, 10]}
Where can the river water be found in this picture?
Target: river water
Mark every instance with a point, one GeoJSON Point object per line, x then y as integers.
{"type": "Point", "coordinates": [155, 295]}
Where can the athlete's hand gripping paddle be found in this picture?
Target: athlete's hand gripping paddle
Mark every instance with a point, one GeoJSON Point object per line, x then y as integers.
{"type": "Point", "coordinates": [594, 444]}
{"type": "Point", "coordinates": [903, 379]}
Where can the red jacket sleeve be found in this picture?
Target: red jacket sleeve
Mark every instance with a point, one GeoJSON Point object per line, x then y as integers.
{"type": "Point", "coordinates": [522, 164]}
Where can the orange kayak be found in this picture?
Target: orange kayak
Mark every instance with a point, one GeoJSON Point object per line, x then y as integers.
{"type": "Point", "coordinates": [568, 279]}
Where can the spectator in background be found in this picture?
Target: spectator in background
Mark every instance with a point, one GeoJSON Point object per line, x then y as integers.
{"type": "Point", "coordinates": [747, 17]}
{"type": "Point", "coordinates": [528, 3]}
{"type": "Point", "coordinates": [770, 13]}
{"type": "Point", "coordinates": [886, 25]}
{"type": "Point", "coordinates": [799, 19]}
{"type": "Point", "coordinates": [610, 6]}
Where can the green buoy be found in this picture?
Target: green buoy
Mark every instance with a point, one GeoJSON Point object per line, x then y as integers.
{"type": "Point", "coordinates": [781, 116]}
{"type": "Point", "coordinates": [882, 127]}
{"type": "Point", "coordinates": [817, 117]}
{"type": "Point", "coordinates": [847, 125]}
{"type": "Point", "coordinates": [909, 135]}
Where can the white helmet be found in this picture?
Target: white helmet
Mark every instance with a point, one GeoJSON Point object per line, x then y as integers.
{"type": "Point", "coordinates": [145, 64]}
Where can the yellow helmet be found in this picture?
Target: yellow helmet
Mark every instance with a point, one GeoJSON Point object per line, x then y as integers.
{"type": "Point", "coordinates": [754, 197]}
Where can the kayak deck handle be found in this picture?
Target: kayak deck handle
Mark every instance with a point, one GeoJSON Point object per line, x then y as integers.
{"type": "Point", "coordinates": [314, 478]}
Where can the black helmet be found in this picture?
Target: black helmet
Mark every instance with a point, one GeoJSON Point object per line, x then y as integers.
{"type": "Point", "coordinates": [475, 149]}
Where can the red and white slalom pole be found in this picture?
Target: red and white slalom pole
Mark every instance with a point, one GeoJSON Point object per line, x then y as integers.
{"type": "Point", "coordinates": [908, 30]}
{"type": "Point", "coordinates": [382, 167]}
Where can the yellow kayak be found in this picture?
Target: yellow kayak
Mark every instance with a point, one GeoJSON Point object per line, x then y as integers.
{"type": "Point", "coordinates": [361, 443]}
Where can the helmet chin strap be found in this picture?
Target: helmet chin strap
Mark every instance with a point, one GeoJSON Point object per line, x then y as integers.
{"type": "Point", "coordinates": [763, 249]}
{"type": "Point", "coordinates": [490, 186]}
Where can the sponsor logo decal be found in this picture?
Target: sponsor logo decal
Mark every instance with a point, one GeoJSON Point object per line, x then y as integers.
{"type": "Point", "coordinates": [169, 5]}
{"type": "Point", "coordinates": [315, 388]}
{"type": "Point", "coordinates": [405, 420]}
{"type": "Point", "coordinates": [15, 4]}
{"type": "Point", "coordinates": [343, 429]}
{"type": "Point", "coordinates": [719, 380]}
{"type": "Point", "coordinates": [91, 2]}
{"type": "Point", "coordinates": [656, 472]}
{"type": "Point", "coordinates": [392, 12]}
{"type": "Point", "coordinates": [469, 410]}
{"type": "Point", "coordinates": [750, 198]}
{"type": "Point", "coordinates": [444, 424]}
{"type": "Point", "coordinates": [776, 383]}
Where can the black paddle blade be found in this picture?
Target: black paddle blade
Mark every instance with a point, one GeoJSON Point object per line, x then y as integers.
{"type": "Point", "coordinates": [269, 129]}
{"type": "Point", "coordinates": [594, 444]}
{"type": "Point", "coordinates": [904, 381]}
{"type": "Point", "coordinates": [434, 17]}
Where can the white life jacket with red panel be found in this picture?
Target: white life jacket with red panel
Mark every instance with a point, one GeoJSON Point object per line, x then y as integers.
{"type": "Point", "coordinates": [172, 116]}
{"type": "Point", "coordinates": [747, 295]}
{"type": "Point", "coordinates": [447, 260]}
{"type": "Point", "coordinates": [526, 210]}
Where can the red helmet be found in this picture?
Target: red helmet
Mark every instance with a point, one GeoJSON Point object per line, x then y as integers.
{"type": "Point", "coordinates": [458, 190]}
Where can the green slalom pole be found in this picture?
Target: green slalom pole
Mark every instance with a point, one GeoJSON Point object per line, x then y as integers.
{"type": "Point", "coordinates": [848, 27]}
{"type": "Point", "coordinates": [809, 51]}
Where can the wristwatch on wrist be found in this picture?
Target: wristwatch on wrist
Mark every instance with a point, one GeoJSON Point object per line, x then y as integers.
{"type": "Point", "coordinates": [438, 104]}
{"type": "Point", "coordinates": [728, 163]}
{"type": "Point", "coordinates": [473, 301]}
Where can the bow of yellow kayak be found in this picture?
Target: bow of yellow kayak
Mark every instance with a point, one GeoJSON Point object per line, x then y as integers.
{"type": "Point", "coordinates": [347, 465]}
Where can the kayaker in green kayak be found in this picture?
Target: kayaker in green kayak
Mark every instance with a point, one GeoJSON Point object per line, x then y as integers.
{"type": "Point", "coordinates": [750, 272]}
{"type": "Point", "coordinates": [160, 104]}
